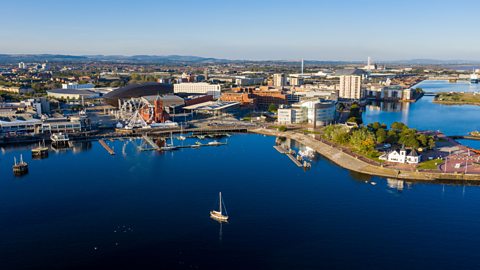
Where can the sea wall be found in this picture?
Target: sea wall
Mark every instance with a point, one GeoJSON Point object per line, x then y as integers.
{"type": "Point", "coordinates": [352, 163]}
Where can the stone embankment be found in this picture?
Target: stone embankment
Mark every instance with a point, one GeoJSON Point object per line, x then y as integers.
{"type": "Point", "coordinates": [356, 164]}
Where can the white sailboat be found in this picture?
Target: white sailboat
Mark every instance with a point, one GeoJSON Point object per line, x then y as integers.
{"type": "Point", "coordinates": [218, 215]}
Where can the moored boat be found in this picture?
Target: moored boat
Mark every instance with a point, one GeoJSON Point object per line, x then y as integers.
{"type": "Point", "coordinates": [218, 215]}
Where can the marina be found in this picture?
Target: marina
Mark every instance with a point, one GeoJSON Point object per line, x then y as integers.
{"type": "Point", "coordinates": [139, 189]}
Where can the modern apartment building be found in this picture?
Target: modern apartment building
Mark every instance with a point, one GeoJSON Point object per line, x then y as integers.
{"type": "Point", "coordinates": [350, 87]}
{"type": "Point", "coordinates": [279, 80]}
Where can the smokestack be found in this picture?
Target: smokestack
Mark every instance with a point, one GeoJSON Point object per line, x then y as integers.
{"type": "Point", "coordinates": [302, 66]}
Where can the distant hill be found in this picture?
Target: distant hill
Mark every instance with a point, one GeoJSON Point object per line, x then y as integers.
{"type": "Point", "coordinates": [176, 59]}
{"type": "Point", "coordinates": [15, 58]}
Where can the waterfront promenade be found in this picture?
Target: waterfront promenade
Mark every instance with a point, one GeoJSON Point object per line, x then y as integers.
{"type": "Point", "coordinates": [356, 164]}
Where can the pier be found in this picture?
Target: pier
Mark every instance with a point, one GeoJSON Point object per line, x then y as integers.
{"type": "Point", "coordinates": [280, 149]}
{"type": "Point", "coordinates": [289, 154]}
{"type": "Point", "coordinates": [296, 161]}
{"type": "Point", "coordinates": [148, 144]}
{"type": "Point", "coordinates": [106, 146]}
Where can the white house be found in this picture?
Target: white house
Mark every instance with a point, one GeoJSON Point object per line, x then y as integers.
{"type": "Point", "coordinates": [402, 156]}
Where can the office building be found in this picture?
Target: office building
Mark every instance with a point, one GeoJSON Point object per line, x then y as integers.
{"type": "Point", "coordinates": [198, 88]}
{"type": "Point", "coordinates": [314, 112]}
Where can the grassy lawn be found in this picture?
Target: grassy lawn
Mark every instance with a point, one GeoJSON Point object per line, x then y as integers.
{"type": "Point", "coordinates": [430, 164]}
{"type": "Point", "coordinates": [467, 98]}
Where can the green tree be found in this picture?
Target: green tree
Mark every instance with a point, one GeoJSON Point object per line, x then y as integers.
{"type": "Point", "coordinates": [422, 139]}
{"type": "Point", "coordinates": [362, 140]}
{"type": "Point", "coordinates": [398, 126]}
{"type": "Point", "coordinates": [381, 135]}
{"type": "Point", "coordinates": [431, 143]}
{"type": "Point", "coordinates": [392, 136]}
{"type": "Point", "coordinates": [356, 113]}
{"type": "Point", "coordinates": [272, 108]}
{"type": "Point", "coordinates": [408, 138]}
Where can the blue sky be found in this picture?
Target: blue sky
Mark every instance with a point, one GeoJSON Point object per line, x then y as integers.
{"type": "Point", "coordinates": [268, 29]}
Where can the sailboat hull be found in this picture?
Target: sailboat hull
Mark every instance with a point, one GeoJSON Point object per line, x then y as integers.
{"type": "Point", "coordinates": [218, 216]}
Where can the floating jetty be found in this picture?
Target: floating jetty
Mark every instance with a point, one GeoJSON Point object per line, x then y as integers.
{"type": "Point", "coordinates": [60, 140]}
{"type": "Point", "coordinates": [296, 161]}
{"type": "Point", "coordinates": [107, 147]}
{"type": "Point", "coordinates": [280, 149]}
{"type": "Point", "coordinates": [20, 168]}
{"type": "Point", "coordinates": [148, 144]}
{"type": "Point", "coordinates": [290, 154]}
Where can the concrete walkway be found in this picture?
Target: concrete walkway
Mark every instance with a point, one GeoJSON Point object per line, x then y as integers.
{"type": "Point", "coordinates": [354, 164]}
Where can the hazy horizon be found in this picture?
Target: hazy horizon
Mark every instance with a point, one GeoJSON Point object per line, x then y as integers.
{"type": "Point", "coordinates": [268, 30]}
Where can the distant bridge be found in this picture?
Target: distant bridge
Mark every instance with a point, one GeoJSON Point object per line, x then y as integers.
{"type": "Point", "coordinates": [430, 94]}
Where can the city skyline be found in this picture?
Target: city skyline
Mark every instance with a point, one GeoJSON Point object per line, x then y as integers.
{"type": "Point", "coordinates": [270, 30]}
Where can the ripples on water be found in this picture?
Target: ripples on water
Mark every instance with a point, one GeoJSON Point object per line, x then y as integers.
{"type": "Point", "coordinates": [145, 210]}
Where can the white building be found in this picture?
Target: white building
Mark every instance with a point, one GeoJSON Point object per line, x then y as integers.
{"type": "Point", "coordinates": [315, 112]}
{"type": "Point", "coordinates": [78, 86]}
{"type": "Point", "coordinates": [402, 156]}
{"type": "Point", "coordinates": [72, 94]}
{"type": "Point", "coordinates": [350, 87]}
{"type": "Point", "coordinates": [22, 65]}
{"type": "Point", "coordinates": [296, 81]}
{"type": "Point", "coordinates": [279, 80]}
{"type": "Point", "coordinates": [245, 81]}
{"type": "Point", "coordinates": [198, 88]}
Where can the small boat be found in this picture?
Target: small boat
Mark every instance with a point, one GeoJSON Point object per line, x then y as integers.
{"type": "Point", "coordinates": [214, 143]}
{"type": "Point", "coordinates": [218, 215]}
{"type": "Point", "coordinates": [19, 168]}
{"type": "Point", "coordinates": [201, 137]}
{"type": "Point", "coordinates": [198, 143]}
{"type": "Point", "coordinates": [40, 152]}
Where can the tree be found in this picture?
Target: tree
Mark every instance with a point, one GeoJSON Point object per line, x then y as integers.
{"type": "Point", "coordinates": [356, 113]}
{"type": "Point", "coordinates": [408, 138]}
{"type": "Point", "coordinates": [431, 143]}
{"type": "Point", "coordinates": [381, 135]}
{"type": "Point", "coordinates": [398, 126]}
{"type": "Point", "coordinates": [272, 108]}
{"type": "Point", "coordinates": [392, 136]}
{"type": "Point", "coordinates": [422, 139]}
{"type": "Point", "coordinates": [362, 140]}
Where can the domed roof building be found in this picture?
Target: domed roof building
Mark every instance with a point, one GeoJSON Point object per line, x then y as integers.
{"type": "Point", "coordinates": [137, 90]}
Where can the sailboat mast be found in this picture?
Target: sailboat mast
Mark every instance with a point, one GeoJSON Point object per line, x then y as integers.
{"type": "Point", "coordinates": [220, 201]}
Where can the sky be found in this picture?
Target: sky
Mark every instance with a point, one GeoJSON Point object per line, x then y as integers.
{"type": "Point", "coordinates": [248, 29]}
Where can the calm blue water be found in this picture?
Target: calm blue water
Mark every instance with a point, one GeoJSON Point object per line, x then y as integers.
{"type": "Point", "coordinates": [425, 115]}
{"type": "Point", "coordinates": [89, 210]}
